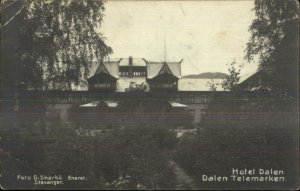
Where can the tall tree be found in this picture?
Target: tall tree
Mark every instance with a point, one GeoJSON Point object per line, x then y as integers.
{"type": "Point", "coordinates": [57, 41]}
{"type": "Point", "coordinates": [47, 45]}
{"type": "Point", "coordinates": [274, 40]}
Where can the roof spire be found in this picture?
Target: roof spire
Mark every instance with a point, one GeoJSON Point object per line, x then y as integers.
{"type": "Point", "coordinates": [165, 48]}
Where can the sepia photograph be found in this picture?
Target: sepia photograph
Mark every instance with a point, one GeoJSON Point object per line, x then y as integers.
{"type": "Point", "coordinates": [149, 95]}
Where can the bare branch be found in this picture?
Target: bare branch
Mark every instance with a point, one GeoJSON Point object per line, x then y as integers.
{"type": "Point", "coordinates": [12, 18]}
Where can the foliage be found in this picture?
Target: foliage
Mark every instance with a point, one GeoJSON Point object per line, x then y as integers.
{"type": "Point", "coordinates": [57, 41]}
{"type": "Point", "coordinates": [274, 40]}
{"type": "Point", "coordinates": [137, 88]}
{"type": "Point", "coordinates": [258, 135]}
{"type": "Point", "coordinates": [233, 78]}
{"type": "Point", "coordinates": [137, 154]}
{"type": "Point", "coordinates": [212, 86]}
{"type": "Point", "coordinates": [31, 109]}
{"type": "Point", "coordinates": [131, 158]}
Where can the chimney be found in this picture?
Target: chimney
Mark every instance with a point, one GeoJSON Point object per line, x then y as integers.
{"type": "Point", "coordinates": [130, 60]}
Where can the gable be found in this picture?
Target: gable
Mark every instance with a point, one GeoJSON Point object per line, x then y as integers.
{"type": "Point", "coordinates": [153, 69]}
{"type": "Point", "coordinates": [102, 77]}
{"type": "Point", "coordinates": [101, 68]}
{"type": "Point", "coordinates": [112, 68]}
{"type": "Point", "coordinates": [109, 67]}
{"type": "Point", "coordinates": [165, 69]}
{"type": "Point", "coordinates": [175, 67]}
{"type": "Point", "coordinates": [164, 78]}
{"type": "Point", "coordinates": [157, 68]}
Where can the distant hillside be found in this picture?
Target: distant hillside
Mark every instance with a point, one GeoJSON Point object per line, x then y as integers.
{"type": "Point", "coordinates": [214, 75]}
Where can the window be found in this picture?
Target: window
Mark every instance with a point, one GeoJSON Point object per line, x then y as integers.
{"type": "Point", "coordinates": [178, 99]}
{"type": "Point", "coordinates": [70, 99]}
{"type": "Point", "coordinates": [130, 73]}
{"type": "Point", "coordinates": [123, 73]}
{"type": "Point", "coordinates": [83, 99]}
{"type": "Point", "coordinates": [204, 99]}
{"type": "Point", "coordinates": [102, 85]}
{"type": "Point", "coordinates": [191, 99]}
{"type": "Point", "coordinates": [165, 85]}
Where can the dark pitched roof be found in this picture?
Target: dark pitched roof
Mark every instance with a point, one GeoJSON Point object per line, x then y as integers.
{"type": "Point", "coordinates": [108, 67]}
{"type": "Point", "coordinates": [153, 68]}
{"type": "Point", "coordinates": [247, 76]}
{"type": "Point", "coordinates": [165, 69]}
{"type": "Point", "coordinates": [157, 68]}
{"type": "Point", "coordinates": [101, 68]}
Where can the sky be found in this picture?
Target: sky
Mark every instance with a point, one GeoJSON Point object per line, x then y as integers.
{"type": "Point", "coordinates": [205, 34]}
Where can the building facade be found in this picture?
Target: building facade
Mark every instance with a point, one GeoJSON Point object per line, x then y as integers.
{"type": "Point", "coordinates": [174, 98]}
{"type": "Point", "coordinates": [168, 95]}
{"type": "Point", "coordinates": [107, 91]}
{"type": "Point", "coordinates": [116, 76]}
